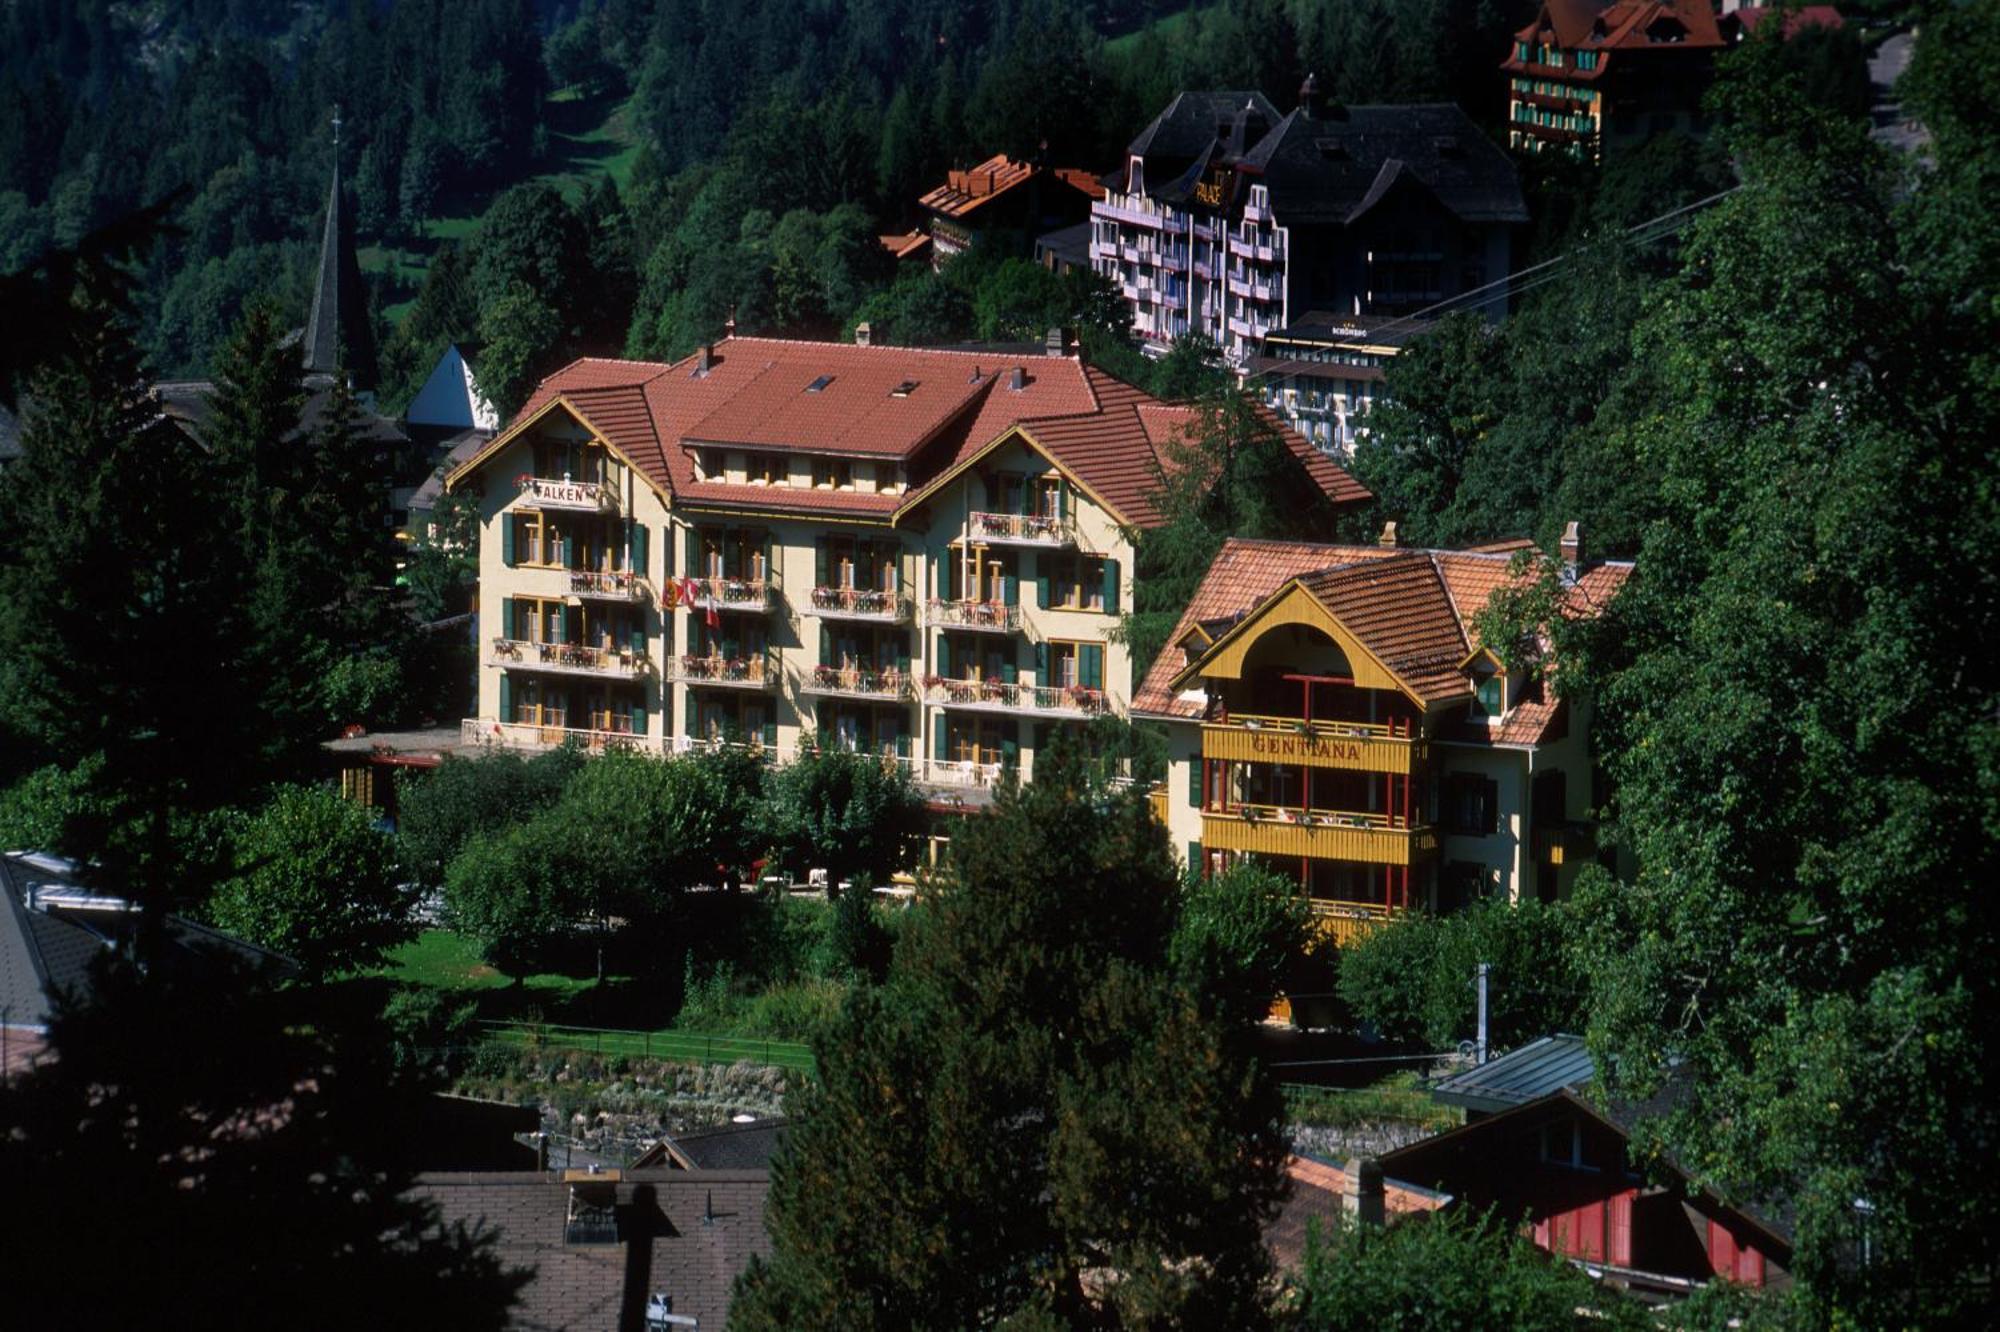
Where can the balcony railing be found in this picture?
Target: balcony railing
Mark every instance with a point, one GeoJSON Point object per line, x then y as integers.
{"type": "Point", "coordinates": [704, 744]}
{"type": "Point", "coordinates": [568, 659]}
{"type": "Point", "coordinates": [1354, 746]}
{"type": "Point", "coordinates": [1344, 922]}
{"type": "Point", "coordinates": [1004, 696]}
{"type": "Point", "coordinates": [960, 773]}
{"type": "Point", "coordinates": [861, 603]}
{"type": "Point", "coordinates": [619, 586]}
{"type": "Point", "coordinates": [731, 594]}
{"type": "Point", "coordinates": [857, 682]}
{"type": "Point", "coordinates": [754, 671]}
{"type": "Point", "coordinates": [535, 735]}
{"type": "Point", "coordinates": [548, 492]}
{"type": "Point", "coordinates": [991, 616]}
{"type": "Point", "coordinates": [1322, 834]}
{"type": "Point", "coordinates": [1021, 529]}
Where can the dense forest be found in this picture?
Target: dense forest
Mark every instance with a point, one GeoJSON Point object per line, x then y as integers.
{"type": "Point", "coordinates": [770, 141]}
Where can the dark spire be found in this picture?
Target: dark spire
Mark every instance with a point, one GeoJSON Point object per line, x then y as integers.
{"type": "Point", "coordinates": [337, 334]}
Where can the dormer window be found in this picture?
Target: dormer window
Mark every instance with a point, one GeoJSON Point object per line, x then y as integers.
{"type": "Point", "coordinates": [833, 474]}
{"type": "Point", "coordinates": [767, 469]}
{"type": "Point", "coordinates": [1490, 696]}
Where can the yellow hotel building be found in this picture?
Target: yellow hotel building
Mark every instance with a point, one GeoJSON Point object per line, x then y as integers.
{"type": "Point", "coordinates": [915, 553]}
{"type": "Point", "coordinates": [1332, 714]}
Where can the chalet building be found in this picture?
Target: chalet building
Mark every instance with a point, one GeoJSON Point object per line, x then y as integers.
{"type": "Point", "coordinates": [1331, 713]}
{"type": "Point", "coordinates": [1004, 204]}
{"type": "Point", "coordinates": [1592, 75]}
{"type": "Point", "coordinates": [1323, 373]}
{"type": "Point", "coordinates": [1537, 1148]}
{"type": "Point", "coordinates": [920, 554]}
{"type": "Point", "coordinates": [1229, 220]}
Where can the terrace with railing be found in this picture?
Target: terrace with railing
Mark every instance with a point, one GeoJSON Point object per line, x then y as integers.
{"type": "Point", "coordinates": [858, 682]}
{"type": "Point", "coordinates": [757, 670]}
{"type": "Point", "coordinates": [1321, 834]}
{"type": "Point", "coordinates": [1010, 697]}
{"type": "Point", "coordinates": [539, 735]}
{"type": "Point", "coordinates": [568, 659]}
{"type": "Point", "coordinates": [1020, 529]}
{"type": "Point", "coordinates": [989, 616]}
{"type": "Point", "coordinates": [620, 585]}
{"type": "Point", "coordinates": [722, 593]}
{"type": "Point", "coordinates": [861, 603]}
{"type": "Point", "coordinates": [1391, 747]}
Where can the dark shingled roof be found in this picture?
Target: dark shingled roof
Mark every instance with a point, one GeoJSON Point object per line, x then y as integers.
{"type": "Point", "coordinates": [723, 1147]}
{"type": "Point", "coordinates": [1191, 124]}
{"type": "Point", "coordinates": [337, 334]}
{"type": "Point", "coordinates": [705, 1225]}
{"type": "Point", "coordinates": [1535, 1070]}
{"type": "Point", "coordinates": [1334, 167]}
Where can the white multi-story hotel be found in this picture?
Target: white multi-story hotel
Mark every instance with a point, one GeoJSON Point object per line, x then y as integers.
{"type": "Point", "coordinates": [916, 553]}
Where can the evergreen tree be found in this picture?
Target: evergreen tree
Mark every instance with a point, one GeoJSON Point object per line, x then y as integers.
{"type": "Point", "coordinates": [1033, 1122]}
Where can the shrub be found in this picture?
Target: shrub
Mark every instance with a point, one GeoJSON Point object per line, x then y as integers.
{"type": "Point", "coordinates": [1238, 935]}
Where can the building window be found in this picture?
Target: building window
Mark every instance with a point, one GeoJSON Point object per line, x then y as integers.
{"type": "Point", "coordinates": [1076, 582]}
{"type": "Point", "coordinates": [1488, 698]}
{"type": "Point", "coordinates": [767, 469]}
{"type": "Point", "coordinates": [1048, 495]}
{"type": "Point", "coordinates": [1562, 1144]}
{"type": "Point", "coordinates": [833, 474]}
{"type": "Point", "coordinates": [1472, 804]}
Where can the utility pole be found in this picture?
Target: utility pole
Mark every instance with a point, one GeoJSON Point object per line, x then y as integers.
{"type": "Point", "coordinates": [1479, 1051]}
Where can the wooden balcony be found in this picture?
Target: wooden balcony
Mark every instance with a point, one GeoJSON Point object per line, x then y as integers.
{"type": "Point", "coordinates": [623, 587]}
{"type": "Point", "coordinates": [1559, 843]}
{"type": "Point", "coordinates": [1342, 923]}
{"type": "Point", "coordinates": [1349, 746]}
{"type": "Point", "coordinates": [567, 659]}
{"type": "Point", "coordinates": [753, 595]}
{"type": "Point", "coordinates": [871, 605]}
{"type": "Point", "coordinates": [547, 492]}
{"type": "Point", "coordinates": [864, 682]}
{"type": "Point", "coordinates": [1019, 529]}
{"type": "Point", "coordinates": [1071, 701]}
{"type": "Point", "coordinates": [991, 617]}
{"type": "Point", "coordinates": [755, 671]}
{"type": "Point", "coordinates": [1318, 834]}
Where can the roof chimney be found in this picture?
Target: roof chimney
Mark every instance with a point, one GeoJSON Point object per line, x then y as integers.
{"type": "Point", "coordinates": [1388, 538]}
{"type": "Point", "coordinates": [1053, 344]}
{"type": "Point", "coordinates": [1312, 101]}
{"type": "Point", "coordinates": [705, 359]}
{"type": "Point", "coordinates": [1572, 548]}
{"type": "Point", "coordinates": [1018, 380]}
{"type": "Point", "coordinates": [729, 325]}
{"type": "Point", "coordinates": [1361, 1195]}
{"type": "Point", "coordinates": [863, 335]}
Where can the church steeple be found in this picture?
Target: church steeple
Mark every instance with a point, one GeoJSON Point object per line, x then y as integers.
{"type": "Point", "coordinates": [337, 335]}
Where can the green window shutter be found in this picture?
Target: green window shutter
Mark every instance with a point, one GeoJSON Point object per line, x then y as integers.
{"type": "Point", "coordinates": [506, 618]}
{"type": "Point", "coordinates": [1062, 497]}
{"type": "Point", "coordinates": [1042, 664]}
{"type": "Point", "coordinates": [825, 647]}
{"type": "Point", "coordinates": [507, 526]}
{"type": "Point", "coordinates": [1010, 590]}
{"type": "Point", "coordinates": [637, 637]}
{"type": "Point", "coordinates": [694, 569]}
{"type": "Point", "coordinates": [639, 717]}
{"type": "Point", "coordinates": [941, 743]}
{"type": "Point", "coordinates": [1009, 672]}
{"type": "Point", "coordinates": [1111, 587]}
{"type": "Point", "coordinates": [693, 713]}
{"type": "Point", "coordinates": [1041, 585]}
{"type": "Point", "coordinates": [944, 655]}
{"type": "Point", "coordinates": [1010, 751]}
{"type": "Point", "coordinates": [820, 565]}
{"type": "Point", "coordinates": [569, 552]}
{"type": "Point", "coordinates": [1024, 499]}
{"type": "Point", "coordinates": [1194, 781]}
{"type": "Point", "coordinates": [641, 554]}
{"type": "Point", "coordinates": [770, 735]}
{"type": "Point", "coordinates": [1194, 855]}
{"type": "Point", "coordinates": [903, 656]}
{"type": "Point", "coordinates": [902, 744]}
{"type": "Point", "coordinates": [506, 697]}
{"type": "Point", "coordinates": [1090, 666]}
{"type": "Point", "coordinates": [770, 568]}
{"type": "Point", "coordinates": [568, 624]}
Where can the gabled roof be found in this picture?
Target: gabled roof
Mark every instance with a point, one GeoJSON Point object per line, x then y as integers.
{"type": "Point", "coordinates": [933, 411]}
{"type": "Point", "coordinates": [1538, 1068]}
{"type": "Point", "coordinates": [1620, 26]}
{"type": "Point", "coordinates": [1411, 610]}
{"type": "Point", "coordinates": [1191, 124]}
{"type": "Point", "coordinates": [336, 333]}
{"type": "Point", "coordinates": [722, 1147]}
{"type": "Point", "coordinates": [1334, 167]}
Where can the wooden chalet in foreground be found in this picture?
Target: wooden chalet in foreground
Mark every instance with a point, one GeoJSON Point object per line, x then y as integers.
{"type": "Point", "coordinates": [919, 554]}
{"type": "Point", "coordinates": [1332, 714]}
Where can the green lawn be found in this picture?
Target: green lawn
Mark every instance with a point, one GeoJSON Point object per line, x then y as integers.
{"type": "Point", "coordinates": [443, 960]}
{"type": "Point", "coordinates": [589, 139]}
{"type": "Point", "coordinates": [1168, 27]}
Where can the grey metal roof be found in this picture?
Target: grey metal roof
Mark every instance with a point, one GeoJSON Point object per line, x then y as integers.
{"type": "Point", "coordinates": [1334, 167]}
{"type": "Point", "coordinates": [1537, 1069]}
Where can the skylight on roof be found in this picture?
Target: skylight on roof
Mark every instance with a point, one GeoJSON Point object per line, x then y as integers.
{"type": "Point", "coordinates": [819, 384]}
{"type": "Point", "coordinates": [904, 389]}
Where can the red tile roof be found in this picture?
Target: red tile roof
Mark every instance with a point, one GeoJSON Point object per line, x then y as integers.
{"type": "Point", "coordinates": [1617, 26]}
{"type": "Point", "coordinates": [757, 393]}
{"type": "Point", "coordinates": [906, 245]}
{"type": "Point", "coordinates": [964, 192]}
{"type": "Point", "coordinates": [1413, 609]}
